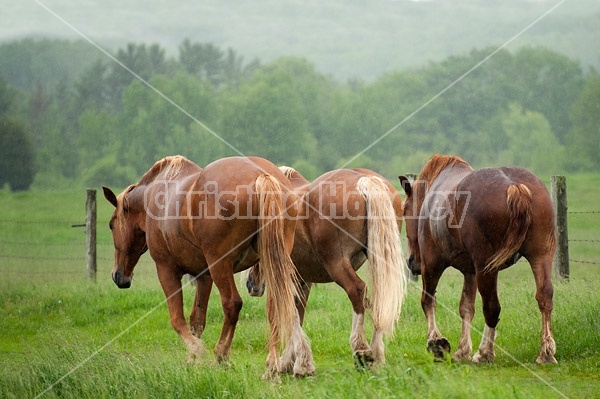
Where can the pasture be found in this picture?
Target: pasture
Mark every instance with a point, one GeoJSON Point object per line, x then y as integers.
{"type": "Point", "coordinates": [63, 336]}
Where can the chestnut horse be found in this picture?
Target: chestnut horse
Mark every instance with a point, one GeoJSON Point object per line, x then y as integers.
{"type": "Point", "coordinates": [345, 217]}
{"type": "Point", "coordinates": [479, 222]}
{"type": "Point", "coordinates": [211, 223]}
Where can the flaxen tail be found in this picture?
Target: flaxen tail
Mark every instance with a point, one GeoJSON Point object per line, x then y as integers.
{"type": "Point", "coordinates": [387, 272]}
{"type": "Point", "coordinates": [276, 266]}
{"type": "Point", "coordinates": [518, 202]}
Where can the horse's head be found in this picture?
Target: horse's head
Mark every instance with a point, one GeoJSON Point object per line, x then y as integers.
{"type": "Point", "coordinates": [127, 227]}
{"type": "Point", "coordinates": [255, 283]}
{"type": "Point", "coordinates": [411, 219]}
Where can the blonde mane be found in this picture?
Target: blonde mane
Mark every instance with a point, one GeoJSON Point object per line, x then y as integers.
{"type": "Point", "coordinates": [169, 166]}
{"type": "Point", "coordinates": [288, 171]}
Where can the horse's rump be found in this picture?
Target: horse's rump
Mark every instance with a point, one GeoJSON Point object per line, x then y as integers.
{"type": "Point", "coordinates": [519, 211]}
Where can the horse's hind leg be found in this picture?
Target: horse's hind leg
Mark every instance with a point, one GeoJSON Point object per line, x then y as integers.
{"type": "Point", "coordinates": [487, 283]}
{"type": "Point", "coordinates": [222, 275]}
{"type": "Point", "coordinates": [343, 274]}
{"type": "Point", "coordinates": [467, 311]}
{"type": "Point", "coordinates": [436, 343]}
{"type": "Point", "coordinates": [542, 269]}
{"type": "Point", "coordinates": [297, 355]}
{"type": "Point", "coordinates": [377, 347]}
{"type": "Point", "coordinates": [199, 308]}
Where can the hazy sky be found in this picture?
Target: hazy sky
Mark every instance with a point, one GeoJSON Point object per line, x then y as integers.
{"type": "Point", "coordinates": [344, 38]}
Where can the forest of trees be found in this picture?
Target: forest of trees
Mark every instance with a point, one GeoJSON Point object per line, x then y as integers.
{"type": "Point", "coordinates": [72, 117]}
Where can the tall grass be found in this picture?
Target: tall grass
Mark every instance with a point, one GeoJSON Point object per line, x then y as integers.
{"type": "Point", "coordinates": [62, 336]}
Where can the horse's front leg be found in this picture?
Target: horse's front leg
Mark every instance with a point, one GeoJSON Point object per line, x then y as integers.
{"type": "Point", "coordinates": [170, 280]}
{"type": "Point", "coordinates": [198, 314]}
{"type": "Point", "coordinates": [436, 343]}
{"type": "Point", "coordinates": [467, 311]}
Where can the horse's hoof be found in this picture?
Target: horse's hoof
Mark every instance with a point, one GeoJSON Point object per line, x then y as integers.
{"type": "Point", "coordinates": [303, 374]}
{"type": "Point", "coordinates": [483, 358]}
{"type": "Point", "coordinates": [197, 354]}
{"type": "Point", "coordinates": [463, 354]}
{"type": "Point", "coordinates": [271, 376]}
{"type": "Point", "coordinates": [440, 347]}
{"type": "Point", "coordinates": [363, 359]}
{"type": "Point", "coordinates": [304, 369]}
{"type": "Point", "coordinates": [461, 357]}
{"type": "Point", "coordinates": [546, 359]}
{"type": "Point", "coordinates": [286, 365]}
{"type": "Point", "coordinates": [222, 358]}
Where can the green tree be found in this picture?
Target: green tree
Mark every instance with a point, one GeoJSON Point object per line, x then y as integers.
{"type": "Point", "coordinates": [151, 126]}
{"type": "Point", "coordinates": [273, 114]}
{"type": "Point", "coordinates": [378, 120]}
{"type": "Point", "coordinates": [144, 61]}
{"type": "Point", "coordinates": [532, 144]}
{"type": "Point", "coordinates": [549, 83]}
{"type": "Point", "coordinates": [92, 90]}
{"type": "Point", "coordinates": [16, 155]}
{"type": "Point", "coordinates": [26, 62]}
{"type": "Point", "coordinates": [583, 141]}
{"type": "Point", "coordinates": [7, 96]}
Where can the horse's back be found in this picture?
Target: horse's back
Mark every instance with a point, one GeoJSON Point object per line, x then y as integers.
{"type": "Point", "coordinates": [234, 171]}
{"type": "Point", "coordinates": [229, 193]}
{"type": "Point", "coordinates": [337, 224]}
{"type": "Point", "coordinates": [487, 187]}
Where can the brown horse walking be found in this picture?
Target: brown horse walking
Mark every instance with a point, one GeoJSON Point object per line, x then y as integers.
{"type": "Point", "coordinates": [211, 223]}
{"type": "Point", "coordinates": [345, 217]}
{"type": "Point", "coordinates": [479, 222]}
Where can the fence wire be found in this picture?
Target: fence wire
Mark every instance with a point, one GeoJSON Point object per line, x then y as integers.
{"type": "Point", "coordinates": [82, 259]}
{"type": "Point", "coordinates": [586, 262]}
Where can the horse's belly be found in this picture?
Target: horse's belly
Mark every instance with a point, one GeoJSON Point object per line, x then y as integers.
{"type": "Point", "coordinates": [308, 266]}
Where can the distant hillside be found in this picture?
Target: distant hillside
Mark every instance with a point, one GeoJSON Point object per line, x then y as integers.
{"type": "Point", "coordinates": [347, 39]}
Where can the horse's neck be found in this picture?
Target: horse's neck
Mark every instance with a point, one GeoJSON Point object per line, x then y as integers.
{"type": "Point", "coordinates": [449, 178]}
{"type": "Point", "coordinates": [166, 180]}
{"type": "Point", "coordinates": [445, 182]}
{"type": "Point", "coordinates": [168, 169]}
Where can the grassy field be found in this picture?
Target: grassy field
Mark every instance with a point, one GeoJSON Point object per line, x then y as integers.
{"type": "Point", "coordinates": [63, 336]}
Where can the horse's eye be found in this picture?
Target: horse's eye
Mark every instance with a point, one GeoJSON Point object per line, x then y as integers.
{"type": "Point", "coordinates": [111, 226]}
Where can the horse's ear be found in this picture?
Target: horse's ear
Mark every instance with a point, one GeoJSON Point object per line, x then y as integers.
{"type": "Point", "coordinates": [110, 196]}
{"type": "Point", "coordinates": [405, 185]}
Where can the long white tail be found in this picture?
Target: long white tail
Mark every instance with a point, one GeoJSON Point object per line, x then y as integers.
{"type": "Point", "coordinates": [387, 272]}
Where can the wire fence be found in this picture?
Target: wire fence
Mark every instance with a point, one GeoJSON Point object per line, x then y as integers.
{"type": "Point", "coordinates": [583, 240]}
{"type": "Point", "coordinates": [62, 251]}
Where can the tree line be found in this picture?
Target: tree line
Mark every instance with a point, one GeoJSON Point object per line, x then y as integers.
{"type": "Point", "coordinates": [107, 122]}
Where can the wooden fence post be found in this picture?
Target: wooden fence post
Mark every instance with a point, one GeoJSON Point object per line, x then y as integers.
{"type": "Point", "coordinates": [90, 234]}
{"type": "Point", "coordinates": [558, 187]}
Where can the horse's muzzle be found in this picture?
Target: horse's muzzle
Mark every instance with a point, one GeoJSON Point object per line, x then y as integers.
{"type": "Point", "coordinates": [413, 267]}
{"type": "Point", "coordinates": [120, 280]}
{"type": "Point", "coordinates": [254, 289]}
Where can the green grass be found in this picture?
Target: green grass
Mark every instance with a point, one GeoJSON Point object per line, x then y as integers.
{"type": "Point", "coordinates": [62, 336]}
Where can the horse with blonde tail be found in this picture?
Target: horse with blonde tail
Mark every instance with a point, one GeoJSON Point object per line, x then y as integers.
{"type": "Point", "coordinates": [479, 222]}
{"type": "Point", "coordinates": [346, 217]}
{"type": "Point", "coordinates": [211, 223]}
